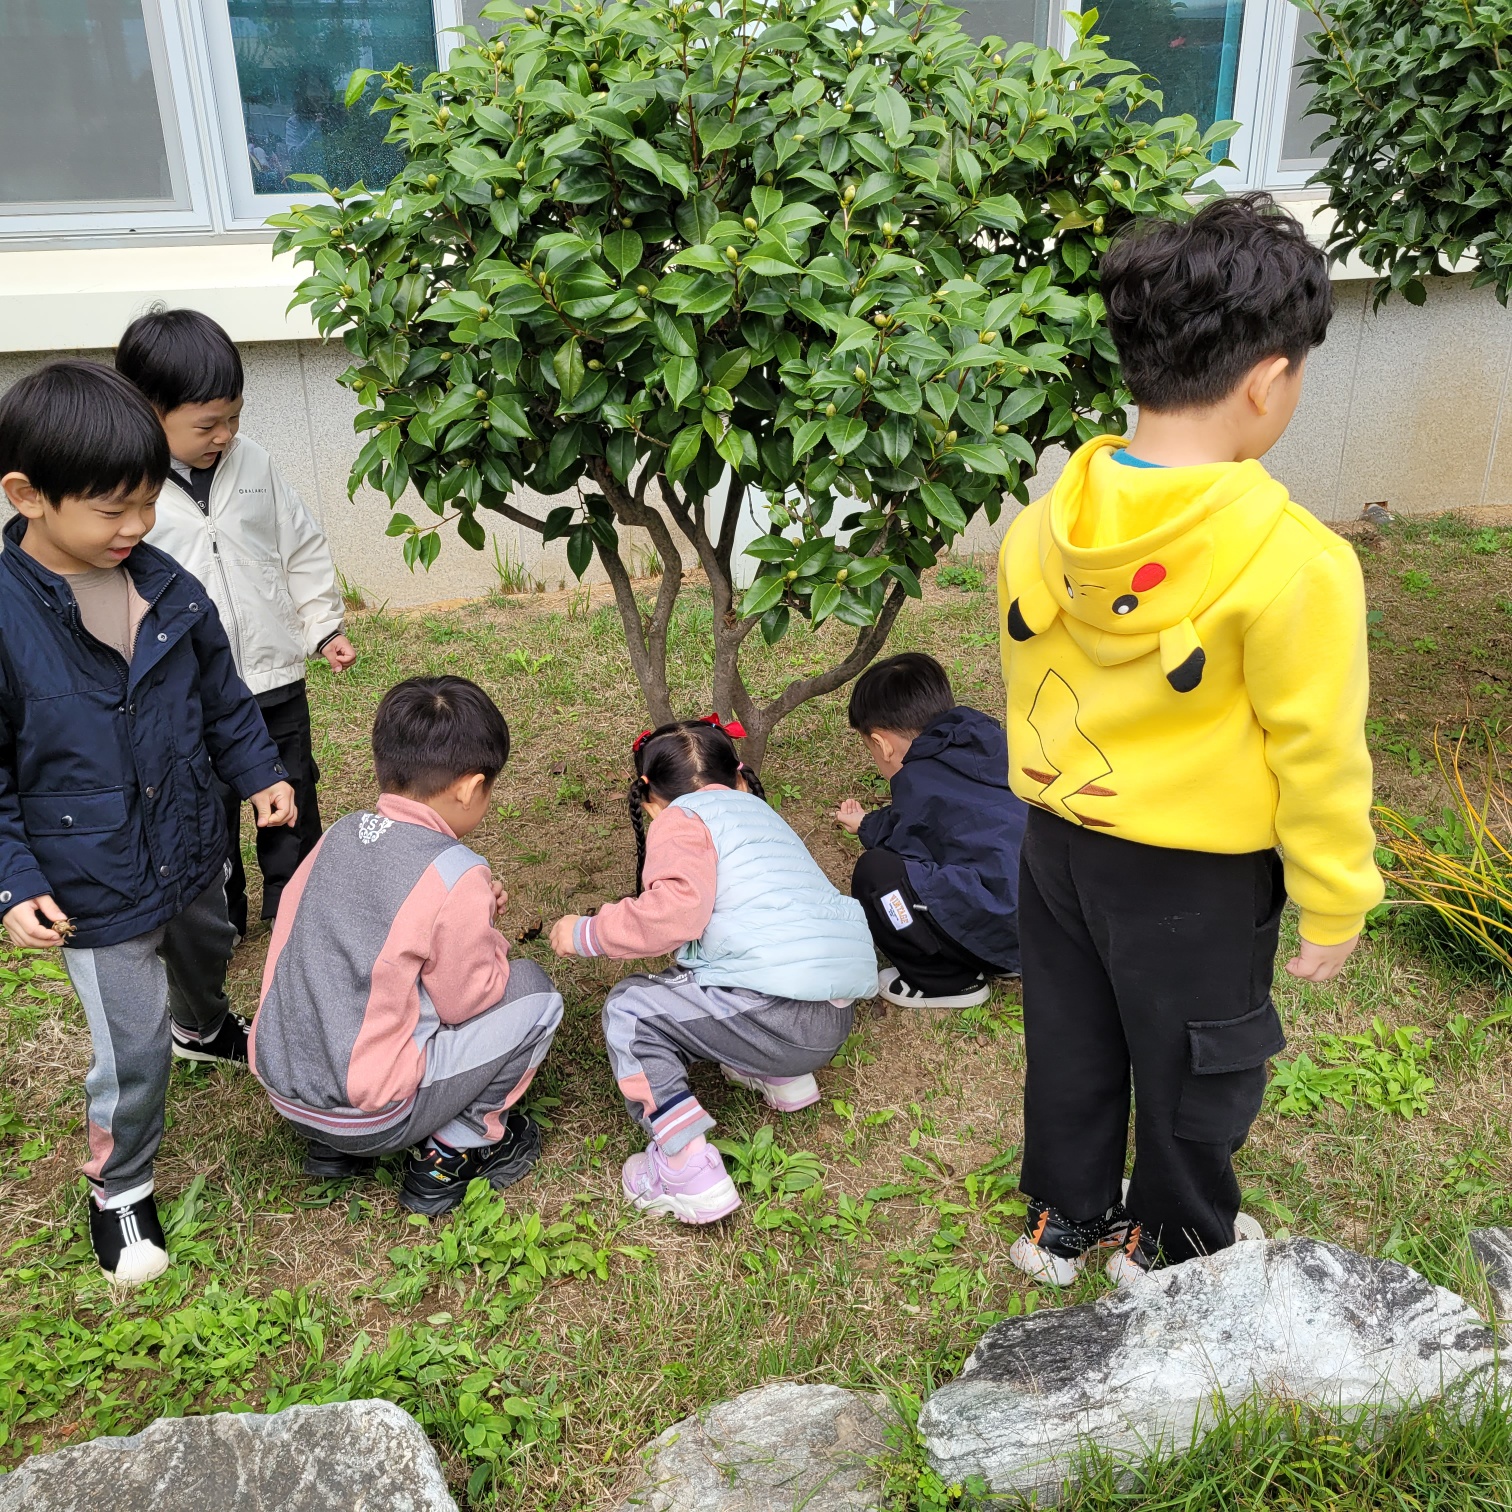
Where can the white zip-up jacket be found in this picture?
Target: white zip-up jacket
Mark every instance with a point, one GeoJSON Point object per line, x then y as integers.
{"type": "Point", "coordinates": [263, 560]}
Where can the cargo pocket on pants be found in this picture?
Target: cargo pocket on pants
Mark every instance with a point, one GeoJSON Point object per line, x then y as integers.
{"type": "Point", "coordinates": [1225, 1081]}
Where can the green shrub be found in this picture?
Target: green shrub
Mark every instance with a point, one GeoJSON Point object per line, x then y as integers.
{"type": "Point", "coordinates": [1416, 96]}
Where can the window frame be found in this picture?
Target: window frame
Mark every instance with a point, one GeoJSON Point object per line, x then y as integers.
{"type": "Point", "coordinates": [1262, 84]}
{"type": "Point", "coordinates": [1285, 27]}
{"type": "Point", "coordinates": [168, 43]}
{"type": "Point", "coordinates": [242, 207]}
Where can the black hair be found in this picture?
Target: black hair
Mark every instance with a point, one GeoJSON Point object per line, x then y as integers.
{"type": "Point", "coordinates": [429, 731]}
{"type": "Point", "coordinates": [905, 693]}
{"type": "Point", "coordinates": [78, 430]}
{"type": "Point", "coordinates": [179, 357]}
{"type": "Point", "coordinates": [680, 758]}
{"type": "Point", "coordinates": [1194, 305]}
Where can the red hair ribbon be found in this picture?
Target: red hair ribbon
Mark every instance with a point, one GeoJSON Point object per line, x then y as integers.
{"type": "Point", "coordinates": [734, 729]}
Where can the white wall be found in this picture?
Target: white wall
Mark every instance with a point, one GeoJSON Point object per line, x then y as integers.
{"type": "Point", "coordinates": [1409, 405]}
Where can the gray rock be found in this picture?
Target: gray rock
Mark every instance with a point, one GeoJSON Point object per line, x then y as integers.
{"type": "Point", "coordinates": [1493, 1248]}
{"type": "Point", "coordinates": [1142, 1368]}
{"type": "Point", "coordinates": [775, 1449]}
{"type": "Point", "coordinates": [368, 1456]}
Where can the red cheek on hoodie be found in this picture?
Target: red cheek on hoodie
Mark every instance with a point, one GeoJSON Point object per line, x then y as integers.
{"type": "Point", "coordinates": [1151, 575]}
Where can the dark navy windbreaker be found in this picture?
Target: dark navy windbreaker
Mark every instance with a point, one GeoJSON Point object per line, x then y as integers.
{"type": "Point", "coordinates": [959, 830]}
{"type": "Point", "coordinates": [108, 799]}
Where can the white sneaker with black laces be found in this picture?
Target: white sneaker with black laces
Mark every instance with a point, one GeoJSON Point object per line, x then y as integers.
{"type": "Point", "coordinates": [903, 994]}
{"type": "Point", "coordinates": [128, 1241]}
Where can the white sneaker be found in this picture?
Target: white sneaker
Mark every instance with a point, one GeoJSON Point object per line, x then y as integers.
{"type": "Point", "coordinates": [1036, 1262]}
{"type": "Point", "coordinates": [904, 995]}
{"type": "Point", "coordinates": [1246, 1228]}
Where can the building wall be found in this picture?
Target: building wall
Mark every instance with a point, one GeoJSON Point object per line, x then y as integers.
{"type": "Point", "coordinates": [1408, 405]}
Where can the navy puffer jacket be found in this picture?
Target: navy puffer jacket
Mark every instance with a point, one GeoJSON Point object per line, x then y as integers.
{"type": "Point", "coordinates": [959, 830]}
{"type": "Point", "coordinates": [108, 799]}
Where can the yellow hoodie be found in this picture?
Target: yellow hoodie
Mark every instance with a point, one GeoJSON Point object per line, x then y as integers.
{"type": "Point", "coordinates": [1184, 652]}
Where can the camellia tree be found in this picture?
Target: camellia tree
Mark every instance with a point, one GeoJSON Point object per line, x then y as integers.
{"type": "Point", "coordinates": [654, 257]}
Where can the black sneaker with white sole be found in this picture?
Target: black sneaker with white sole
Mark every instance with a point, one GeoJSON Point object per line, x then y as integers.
{"type": "Point", "coordinates": [436, 1176]}
{"type": "Point", "coordinates": [128, 1241]}
{"type": "Point", "coordinates": [904, 994]}
{"type": "Point", "coordinates": [229, 1043]}
{"type": "Point", "coordinates": [329, 1164]}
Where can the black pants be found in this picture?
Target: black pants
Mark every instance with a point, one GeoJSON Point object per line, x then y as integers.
{"type": "Point", "coordinates": [279, 851]}
{"type": "Point", "coordinates": [1160, 961]}
{"type": "Point", "coordinates": [926, 957]}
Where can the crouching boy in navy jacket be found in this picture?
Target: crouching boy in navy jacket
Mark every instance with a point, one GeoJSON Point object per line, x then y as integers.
{"type": "Point", "coordinates": [119, 707]}
{"type": "Point", "coordinates": [939, 877]}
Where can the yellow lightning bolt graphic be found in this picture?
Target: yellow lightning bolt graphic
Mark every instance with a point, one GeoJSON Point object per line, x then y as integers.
{"type": "Point", "coordinates": [1075, 760]}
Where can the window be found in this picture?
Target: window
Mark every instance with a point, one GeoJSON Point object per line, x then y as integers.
{"type": "Point", "coordinates": [1012, 20]}
{"type": "Point", "coordinates": [88, 117]}
{"type": "Point", "coordinates": [1191, 48]}
{"type": "Point", "coordinates": [1226, 60]}
{"type": "Point", "coordinates": [281, 74]}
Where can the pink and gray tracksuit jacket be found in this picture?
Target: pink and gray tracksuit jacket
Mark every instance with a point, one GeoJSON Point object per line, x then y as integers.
{"type": "Point", "coordinates": [383, 939]}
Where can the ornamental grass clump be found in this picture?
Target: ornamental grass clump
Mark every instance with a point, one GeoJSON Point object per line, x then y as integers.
{"type": "Point", "coordinates": [1457, 873]}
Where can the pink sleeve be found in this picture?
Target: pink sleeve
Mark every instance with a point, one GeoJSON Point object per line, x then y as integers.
{"type": "Point", "coordinates": [676, 903]}
{"type": "Point", "coordinates": [468, 961]}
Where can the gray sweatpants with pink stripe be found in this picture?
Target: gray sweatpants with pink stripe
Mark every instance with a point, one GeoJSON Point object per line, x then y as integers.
{"type": "Point", "coordinates": [137, 996]}
{"type": "Point", "coordinates": [656, 1026]}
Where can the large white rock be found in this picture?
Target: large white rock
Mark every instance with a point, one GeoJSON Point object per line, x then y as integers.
{"type": "Point", "coordinates": [366, 1456]}
{"type": "Point", "coordinates": [1139, 1369]}
{"type": "Point", "coordinates": [776, 1449]}
{"type": "Point", "coordinates": [1492, 1247]}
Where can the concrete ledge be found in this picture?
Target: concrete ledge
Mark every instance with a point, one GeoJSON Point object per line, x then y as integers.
{"type": "Point", "coordinates": [82, 297]}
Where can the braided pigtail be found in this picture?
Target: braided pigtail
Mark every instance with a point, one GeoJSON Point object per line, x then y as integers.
{"type": "Point", "coordinates": [635, 800]}
{"type": "Point", "coordinates": [752, 781]}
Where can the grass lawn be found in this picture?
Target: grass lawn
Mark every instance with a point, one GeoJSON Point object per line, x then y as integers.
{"type": "Point", "coordinates": [543, 1336]}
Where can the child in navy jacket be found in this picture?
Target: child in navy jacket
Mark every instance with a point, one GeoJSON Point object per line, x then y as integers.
{"type": "Point", "coordinates": [119, 707]}
{"type": "Point", "coordinates": [939, 877]}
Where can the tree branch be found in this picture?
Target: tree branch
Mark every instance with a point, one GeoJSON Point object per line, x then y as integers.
{"type": "Point", "coordinates": [869, 641]}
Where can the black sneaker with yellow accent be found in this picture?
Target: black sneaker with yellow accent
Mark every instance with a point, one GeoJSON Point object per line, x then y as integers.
{"type": "Point", "coordinates": [436, 1176]}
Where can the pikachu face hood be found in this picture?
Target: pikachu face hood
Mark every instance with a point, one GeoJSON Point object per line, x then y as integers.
{"type": "Point", "coordinates": [1130, 556]}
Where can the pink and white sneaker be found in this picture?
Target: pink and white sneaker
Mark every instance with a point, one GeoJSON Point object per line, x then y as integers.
{"type": "Point", "coordinates": [787, 1094]}
{"type": "Point", "coordinates": [701, 1192]}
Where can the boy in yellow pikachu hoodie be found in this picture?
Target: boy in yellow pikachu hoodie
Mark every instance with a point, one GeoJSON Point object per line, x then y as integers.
{"type": "Point", "coordinates": [1184, 653]}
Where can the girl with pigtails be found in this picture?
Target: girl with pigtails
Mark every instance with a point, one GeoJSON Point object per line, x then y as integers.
{"type": "Point", "coordinates": [769, 959]}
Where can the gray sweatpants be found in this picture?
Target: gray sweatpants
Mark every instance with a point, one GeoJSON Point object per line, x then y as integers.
{"type": "Point", "coordinates": [655, 1026]}
{"type": "Point", "coordinates": [130, 993]}
{"type": "Point", "coordinates": [474, 1071]}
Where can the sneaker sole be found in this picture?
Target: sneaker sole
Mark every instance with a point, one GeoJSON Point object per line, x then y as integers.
{"type": "Point", "coordinates": [769, 1095]}
{"type": "Point", "coordinates": [707, 1207]}
{"type": "Point", "coordinates": [1040, 1265]}
{"type": "Point", "coordinates": [183, 1052]}
{"type": "Point", "coordinates": [959, 1000]}
{"type": "Point", "coordinates": [330, 1171]}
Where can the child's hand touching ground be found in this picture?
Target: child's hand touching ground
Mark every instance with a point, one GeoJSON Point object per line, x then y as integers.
{"type": "Point", "coordinates": [339, 652]}
{"type": "Point", "coordinates": [25, 924]}
{"type": "Point", "coordinates": [274, 806]}
{"type": "Point", "coordinates": [500, 897]}
{"type": "Point", "coordinates": [849, 815]}
{"type": "Point", "coordinates": [562, 933]}
{"type": "Point", "coordinates": [1320, 963]}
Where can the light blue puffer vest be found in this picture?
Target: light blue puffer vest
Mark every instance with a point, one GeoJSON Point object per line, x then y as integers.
{"type": "Point", "coordinates": [778, 925]}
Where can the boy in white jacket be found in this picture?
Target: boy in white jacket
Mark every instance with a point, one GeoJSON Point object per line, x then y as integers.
{"type": "Point", "coordinates": [228, 516]}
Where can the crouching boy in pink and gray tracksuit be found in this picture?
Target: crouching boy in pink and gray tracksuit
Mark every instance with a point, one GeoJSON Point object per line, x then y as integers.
{"type": "Point", "coordinates": [391, 1016]}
